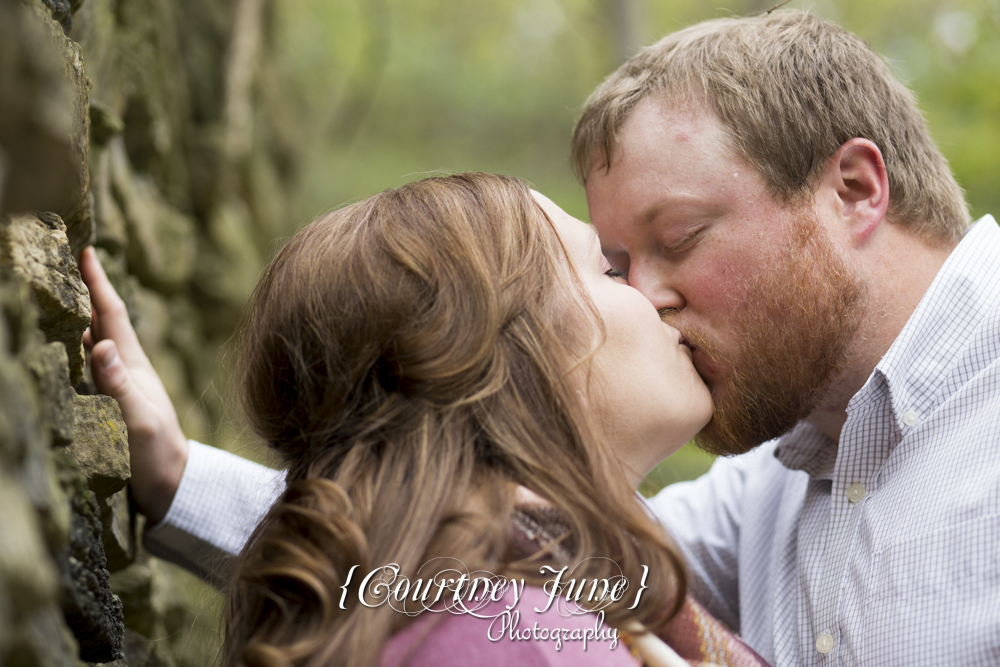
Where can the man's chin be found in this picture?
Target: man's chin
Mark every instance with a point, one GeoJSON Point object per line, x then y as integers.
{"type": "Point", "coordinates": [739, 425]}
{"type": "Point", "coordinates": [718, 440]}
{"type": "Point", "coordinates": [726, 434]}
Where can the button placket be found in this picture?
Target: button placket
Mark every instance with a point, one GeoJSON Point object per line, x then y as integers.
{"type": "Point", "coordinates": [860, 457]}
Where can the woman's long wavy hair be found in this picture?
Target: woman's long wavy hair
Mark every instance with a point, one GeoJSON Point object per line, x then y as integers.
{"type": "Point", "coordinates": [408, 356]}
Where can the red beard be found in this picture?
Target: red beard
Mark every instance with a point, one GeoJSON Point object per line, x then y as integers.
{"type": "Point", "coordinates": [798, 319]}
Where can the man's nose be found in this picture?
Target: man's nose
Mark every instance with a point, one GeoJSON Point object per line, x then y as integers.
{"type": "Point", "coordinates": [656, 286]}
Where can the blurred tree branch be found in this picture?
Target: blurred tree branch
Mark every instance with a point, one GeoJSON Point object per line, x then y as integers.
{"type": "Point", "coordinates": [241, 67]}
{"type": "Point", "coordinates": [624, 15]}
{"type": "Point", "coordinates": [780, 4]}
{"type": "Point", "coordinates": [364, 82]}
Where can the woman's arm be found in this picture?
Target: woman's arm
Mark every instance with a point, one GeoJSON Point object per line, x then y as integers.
{"type": "Point", "coordinates": [705, 519]}
{"type": "Point", "coordinates": [220, 500]}
{"type": "Point", "coordinates": [201, 502]}
{"type": "Point", "coordinates": [157, 448]}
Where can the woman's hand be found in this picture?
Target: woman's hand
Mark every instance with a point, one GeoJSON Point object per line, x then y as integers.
{"type": "Point", "coordinates": [157, 447]}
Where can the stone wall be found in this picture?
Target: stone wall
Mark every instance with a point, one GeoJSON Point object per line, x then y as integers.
{"type": "Point", "coordinates": [154, 130]}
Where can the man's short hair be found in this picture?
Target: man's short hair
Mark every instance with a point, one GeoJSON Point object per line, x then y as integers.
{"type": "Point", "coordinates": [790, 89]}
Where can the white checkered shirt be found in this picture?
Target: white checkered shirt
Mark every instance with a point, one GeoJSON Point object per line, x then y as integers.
{"type": "Point", "coordinates": [884, 550]}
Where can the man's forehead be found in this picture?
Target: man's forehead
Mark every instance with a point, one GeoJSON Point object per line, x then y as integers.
{"type": "Point", "coordinates": [658, 121]}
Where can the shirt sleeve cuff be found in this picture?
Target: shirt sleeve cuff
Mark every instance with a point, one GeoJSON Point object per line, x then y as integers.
{"type": "Point", "coordinates": [220, 500]}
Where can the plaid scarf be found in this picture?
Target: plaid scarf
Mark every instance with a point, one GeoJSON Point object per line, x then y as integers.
{"type": "Point", "coordinates": [693, 634]}
{"type": "Point", "coordinates": [702, 639]}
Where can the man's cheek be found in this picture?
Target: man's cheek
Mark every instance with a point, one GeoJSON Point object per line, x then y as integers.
{"type": "Point", "coordinates": [722, 300]}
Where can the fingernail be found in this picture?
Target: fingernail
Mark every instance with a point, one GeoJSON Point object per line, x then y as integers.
{"type": "Point", "coordinates": [110, 360]}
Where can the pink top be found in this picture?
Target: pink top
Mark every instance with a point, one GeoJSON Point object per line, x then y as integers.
{"type": "Point", "coordinates": [536, 639]}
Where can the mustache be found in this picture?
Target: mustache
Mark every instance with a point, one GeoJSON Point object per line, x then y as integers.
{"type": "Point", "coordinates": [693, 337]}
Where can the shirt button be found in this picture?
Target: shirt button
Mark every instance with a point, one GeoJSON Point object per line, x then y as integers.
{"type": "Point", "coordinates": [824, 643]}
{"type": "Point", "coordinates": [911, 418]}
{"type": "Point", "coordinates": [856, 492]}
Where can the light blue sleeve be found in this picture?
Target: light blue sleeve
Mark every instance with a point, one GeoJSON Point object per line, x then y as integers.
{"type": "Point", "coordinates": [705, 517]}
{"type": "Point", "coordinates": [221, 499]}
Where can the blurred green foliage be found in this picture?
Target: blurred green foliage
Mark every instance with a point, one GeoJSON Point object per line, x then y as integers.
{"type": "Point", "coordinates": [392, 90]}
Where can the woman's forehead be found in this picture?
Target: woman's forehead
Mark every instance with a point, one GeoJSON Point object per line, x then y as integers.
{"type": "Point", "coordinates": [578, 237]}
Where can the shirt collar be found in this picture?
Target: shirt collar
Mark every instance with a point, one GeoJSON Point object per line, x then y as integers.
{"type": "Point", "coordinates": [919, 361]}
{"type": "Point", "coordinates": [808, 449]}
{"type": "Point", "coordinates": [922, 357]}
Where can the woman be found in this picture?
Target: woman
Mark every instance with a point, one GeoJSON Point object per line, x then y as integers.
{"type": "Point", "coordinates": [453, 373]}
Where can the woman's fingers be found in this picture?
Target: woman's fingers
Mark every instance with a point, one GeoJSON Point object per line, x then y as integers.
{"type": "Point", "coordinates": [110, 374]}
{"type": "Point", "coordinates": [157, 447]}
{"type": "Point", "coordinates": [109, 317]}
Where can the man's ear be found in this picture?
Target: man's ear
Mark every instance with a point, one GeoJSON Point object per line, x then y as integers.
{"type": "Point", "coordinates": [857, 188]}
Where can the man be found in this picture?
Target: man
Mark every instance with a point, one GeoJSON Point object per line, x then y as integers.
{"type": "Point", "coordinates": [771, 188]}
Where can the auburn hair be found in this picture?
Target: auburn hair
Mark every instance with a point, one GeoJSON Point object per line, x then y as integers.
{"type": "Point", "coordinates": [408, 356]}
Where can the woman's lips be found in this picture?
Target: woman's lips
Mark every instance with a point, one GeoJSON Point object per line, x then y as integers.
{"type": "Point", "coordinates": [688, 348]}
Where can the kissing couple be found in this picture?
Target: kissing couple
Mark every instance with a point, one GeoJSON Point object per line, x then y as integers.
{"type": "Point", "coordinates": [780, 264]}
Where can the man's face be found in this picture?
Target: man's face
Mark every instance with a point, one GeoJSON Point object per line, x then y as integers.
{"type": "Point", "coordinates": [757, 288]}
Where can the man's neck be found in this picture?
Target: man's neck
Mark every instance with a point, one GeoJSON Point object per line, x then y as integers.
{"type": "Point", "coordinates": [898, 268]}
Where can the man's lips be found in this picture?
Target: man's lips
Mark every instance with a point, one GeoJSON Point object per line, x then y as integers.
{"type": "Point", "coordinates": [703, 364]}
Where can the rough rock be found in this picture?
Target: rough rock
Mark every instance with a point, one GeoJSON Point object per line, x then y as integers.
{"type": "Point", "coordinates": [109, 221]}
{"type": "Point", "coordinates": [100, 446]}
{"type": "Point", "coordinates": [92, 611]}
{"type": "Point", "coordinates": [124, 283]}
{"type": "Point", "coordinates": [78, 215]}
{"type": "Point", "coordinates": [162, 246]}
{"type": "Point", "coordinates": [19, 431]}
{"type": "Point", "coordinates": [118, 530]}
{"type": "Point", "coordinates": [18, 312]}
{"type": "Point", "coordinates": [43, 640]}
{"type": "Point", "coordinates": [104, 123]}
{"type": "Point", "coordinates": [135, 587]}
{"type": "Point", "coordinates": [156, 109]}
{"type": "Point", "coordinates": [26, 569]}
{"type": "Point", "coordinates": [142, 652]}
{"type": "Point", "coordinates": [23, 444]}
{"type": "Point", "coordinates": [37, 120]}
{"type": "Point", "coordinates": [130, 98]}
{"type": "Point", "coordinates": [37, 249]}
{"type": "Point", "coordinates": [44, 92]}
{"type": "Point", "coordinates": [230, 264]}
{"type": "Point", "coordinates": [6, 620]}
{"type": "Point", "coordinates": [62, 11]}
{"type": "Point", "coordinates": [151, 319]}
{"type": "Point", "coordinates": [50, 368]}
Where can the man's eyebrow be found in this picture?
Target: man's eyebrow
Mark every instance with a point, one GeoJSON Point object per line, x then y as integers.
{"type": "Point", "coordinates": [651, 212]}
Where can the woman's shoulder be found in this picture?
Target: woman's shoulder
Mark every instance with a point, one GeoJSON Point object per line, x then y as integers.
{"type": "Point", "coordinates": [520, 629]}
